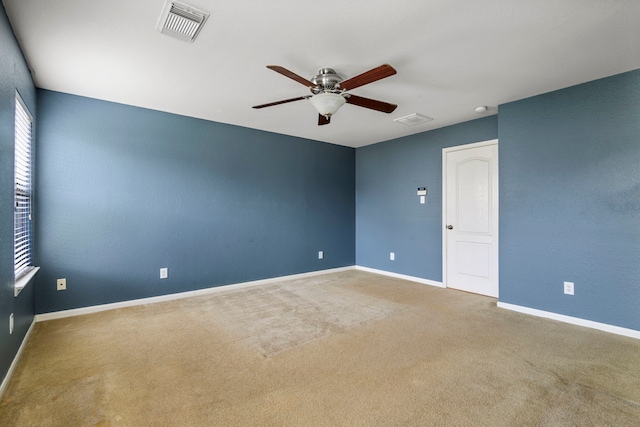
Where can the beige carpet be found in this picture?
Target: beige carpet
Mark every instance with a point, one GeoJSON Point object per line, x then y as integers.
{"type": "Point", "coordinates": [346, 349]}
{"type": "Point", "coordinates": [279, 317]}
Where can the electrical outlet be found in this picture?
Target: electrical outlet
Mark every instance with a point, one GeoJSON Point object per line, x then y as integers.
{"type": "Point", "coordinates": [61, 284]}
{"type": "Point", "coordinates": [568, 288]}
{"type": "Point", "coordinates": [164, 273]}
{"type": "Point", "coordinates": [10, 323]}
{"type": "Point", "coordinates": [392, 256]}
{"type": "Point", "coordinates": [320, 254]}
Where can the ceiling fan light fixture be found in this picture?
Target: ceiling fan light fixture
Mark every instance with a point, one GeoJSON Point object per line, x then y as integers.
{"type": "Point", "coordinates": [327, 103]}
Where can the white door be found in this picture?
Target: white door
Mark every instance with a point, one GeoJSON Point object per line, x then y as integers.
{"type": "Point", "coordinates": [470, 214]}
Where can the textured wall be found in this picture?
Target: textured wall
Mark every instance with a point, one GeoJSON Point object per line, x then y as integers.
{"type": "Point", "coordinates": [124, 191]}
{"type": "Point", "coordinates": [570, 201]}
{"type": "Point", "coordinates": [389, 217]}
{"type": "Point", "coordinates": [14, 74]}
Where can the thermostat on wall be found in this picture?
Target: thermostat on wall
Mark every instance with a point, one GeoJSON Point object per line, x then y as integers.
{"type": "Point", "coordinates": [422, 191]}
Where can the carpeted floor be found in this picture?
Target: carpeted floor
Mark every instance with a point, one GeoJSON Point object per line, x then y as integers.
{"type": "Point", "coordinates": [345, 349]}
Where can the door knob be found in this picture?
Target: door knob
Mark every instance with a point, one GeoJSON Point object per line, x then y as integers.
{"type": "Point", "coordinates": [450, 227]}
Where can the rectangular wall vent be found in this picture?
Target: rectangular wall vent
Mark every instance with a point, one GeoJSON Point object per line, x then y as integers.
{"type": "Point", "coordinates": [181, 21]}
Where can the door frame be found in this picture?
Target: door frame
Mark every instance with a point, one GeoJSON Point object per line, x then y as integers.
{"type": "Point", "coordinates": [445, 151]}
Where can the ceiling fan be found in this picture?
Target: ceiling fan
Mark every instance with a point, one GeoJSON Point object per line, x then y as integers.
{"type": "Point", "coordinates": [329, 92]}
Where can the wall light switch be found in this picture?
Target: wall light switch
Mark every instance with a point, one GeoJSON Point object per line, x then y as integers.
{"type": "Point", "coordinates": [164, 273]}
{"type": "Point", "coordinates": [423, 199]}
{"type": "Point", "coordinates": [392, 256]}
{"type": "Point", "coordinates": [320, 254]}
{"type": "Point", "coordinates": [10, 323]}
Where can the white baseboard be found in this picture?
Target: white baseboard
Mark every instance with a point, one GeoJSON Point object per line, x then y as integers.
{"type": "Point", "coordinates": [401, 276]}
{"type": "Point", "coordinates": [16, 359]}
{"type": "Point", "coordinates": [572, 320]}
{"type": "Point", "coordinates": [103, 307]}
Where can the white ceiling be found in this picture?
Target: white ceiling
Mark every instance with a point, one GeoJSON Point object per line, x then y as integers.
{"type": "Point", "coordinates": [451, 56]}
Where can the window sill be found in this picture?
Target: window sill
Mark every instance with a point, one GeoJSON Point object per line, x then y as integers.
{"type": "Point", "coordinates": [22, 282]}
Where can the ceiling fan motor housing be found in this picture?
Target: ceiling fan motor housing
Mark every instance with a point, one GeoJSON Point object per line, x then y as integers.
{"type": "Point", "coordinates": [327, 80]}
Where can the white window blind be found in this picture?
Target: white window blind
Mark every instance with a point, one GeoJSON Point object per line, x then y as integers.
{"type": "Point", "coordinates": [23, 191]}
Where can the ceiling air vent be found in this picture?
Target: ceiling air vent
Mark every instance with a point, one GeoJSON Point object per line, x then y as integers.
{"type": "Point", "coordinates": [181, 21]}
{"type": "Point", "coordinates": [413, 119]}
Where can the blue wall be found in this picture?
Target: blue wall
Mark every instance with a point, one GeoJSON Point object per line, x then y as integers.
{"type": "Point", "coordinates": [124, 191]}
{"type": "Point", "coordinates": [570, 201]}
{"type": "Point", "coordinates": [389, 217]}
{"type": "Point", "coordinates": [14, 74]}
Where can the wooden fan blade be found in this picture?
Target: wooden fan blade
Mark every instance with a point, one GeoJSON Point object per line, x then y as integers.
{"type": "Point", "coordinates": [291, 75]}
{"type": "Point", "coordinates": [322, 120]}
{"type": "Point", "coordinates": [280, 102]}
{"type": "Point", "coordinates": [367, 77]}
{"type": "Point", "coordinates": [372, 104]}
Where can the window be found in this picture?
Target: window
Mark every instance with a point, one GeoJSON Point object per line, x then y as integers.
{"type": "Point", "coordinates": [23, 228]}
